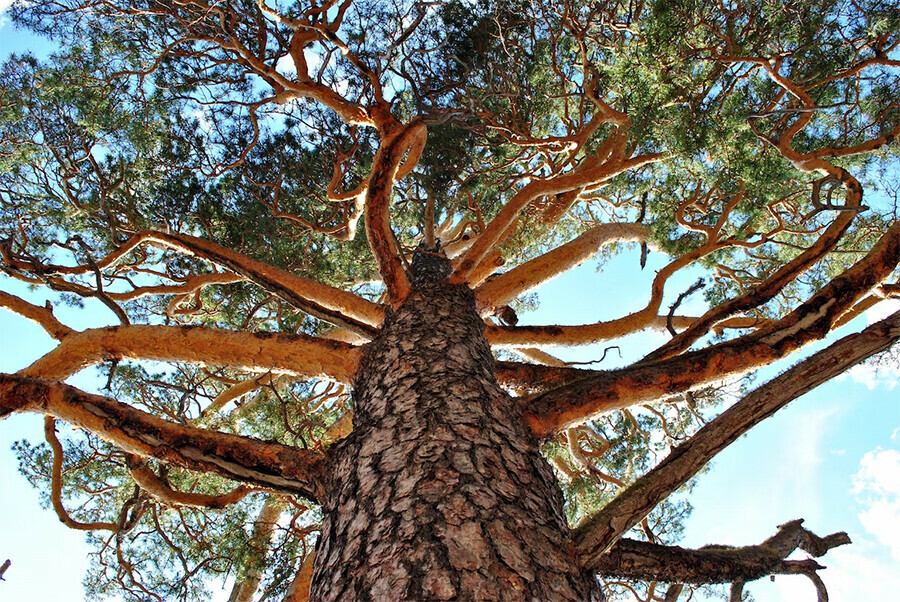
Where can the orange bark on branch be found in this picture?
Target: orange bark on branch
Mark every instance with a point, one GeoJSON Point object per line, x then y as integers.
{"type": "Point", "coordinates": [325, 302]}
{"type": "Point", "coordinates": [385, 170]}
{"type": "Point", "coordinates": [505, 288]}
{"type": "Point", "coordinates": [56, 484]}
{"type": "Point", "coordinates": [42, 316]}
{"type": "Point", "coordinates": [587, 334]}
{"type": "Point", "coordinates": [588, 173]}
{"type": "Point", "coordinates": [150, 482]}
{"type": "Point", "coordinates": [650, 380]}
{"type": "Point", "coordinates": [294, 354]}
{"type": "Point", "coordinates": [595, 535]}
{"type": "Point", "coordinates": [320, 300]}
{"type": "Point", "coordinates": [270, 465]}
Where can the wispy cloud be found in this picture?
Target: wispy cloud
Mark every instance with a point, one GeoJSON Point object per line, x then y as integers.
{"type": "Point", "coordinates": [877, 487]}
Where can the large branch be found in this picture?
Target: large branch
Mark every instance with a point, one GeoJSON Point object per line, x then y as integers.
{"type": "Point", "coordinates": [595, 536]}
{"type": "Point", "coordinates": [573, 404]}
{"type": "Point", "coordinates": [641, 560]}
{"type": "Point", "coordinates": [590, 173]}
{"type": "Point", "coordinates": [320, 300]}
{"type": "Point", "coordinates": [260, 545]}
{"type": "Point", "coordinates": [385, 170]}
{"type": "Point", "coordinates": [588, 334]}
{"type": "Point", "coordinates": [270, 465]}
{"type": "Point", "coordinates": [281, 353]}
{"type": "Point", "coordinates": [503, 289]}
{"type": "Point", "coordinates": [771, 286]}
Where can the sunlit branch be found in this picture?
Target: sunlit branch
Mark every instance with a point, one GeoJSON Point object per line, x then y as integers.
{"type": "Point", "coordinates": [238, 390]}
{"type": "Point", "coordinates": [588, 173]}
{"type": "Point", "coordinates": [42, 316]}
{"type": "Point", "coordinates": [320, 300]}
{"type": "Point", "coordinates": [270, 465]}
{"type": "Point", "coordinates": [247, 583]}
{"type": "Point", "coordinates": [56, 483]}
{"type": "Point", "coordinates": [503, 289]}
{"type": "Point", "coordinates": [595, 536]}
{"type": "Point", "coordinates": [766, 290]}
{"type": "Point", "coordinates": [156, 486]}
{"type": "Point", "coordinates": [647, 381]}
{"type": "Point", "coordinates": [294, 354]}
{"type": "Point", "coordinates": [299, 589]}
{"type": "Point", "coordinates": [385, 169]}
{"type": "Point", "coordinates": [587, 334]}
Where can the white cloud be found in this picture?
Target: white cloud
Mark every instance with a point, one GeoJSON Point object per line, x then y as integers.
{"type": "Point", "coordinates": [857, 572]}
{"type": "Point", "coordinates": [876, 377]}
{"type": "Point", "coordinates": [877, 485]}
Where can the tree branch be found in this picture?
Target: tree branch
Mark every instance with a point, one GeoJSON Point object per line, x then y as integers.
{"type": "Point", "coordinates": [503, 289]}
{"type": "Point", "coordinates": [646, 381]}
{"type": "Point", "coordinates": [595, 536]}
{"type": "Point", "coordinates": [42, 316]}
{"type": "Point", "coordinates": [385, 168]}
{"type": "Point", "coordinates": [150, 482]}
{"type": "Point", "coordinates": [281, 353]}
{"type": "Point", "coordinates": [641, 560]}
{"type": "Point", "coordinates": [260, 543]}
{"type": "Point", "coordinates": [270, 465]}
{"type": "Point", "coordinates": [56, 484]}
{"type": "Point", "coordinates": [320, 300]}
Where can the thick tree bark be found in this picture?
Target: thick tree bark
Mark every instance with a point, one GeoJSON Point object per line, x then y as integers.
{"type": "Point", "coordinates": [440, 491]}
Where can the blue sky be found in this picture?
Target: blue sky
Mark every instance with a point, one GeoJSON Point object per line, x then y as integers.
{"type": "Point", "coordinates": [831, 457]}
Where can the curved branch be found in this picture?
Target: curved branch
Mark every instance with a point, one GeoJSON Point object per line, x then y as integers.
{"type": "Point", "coordinates": [588, 334]}
{"type": "Point", "coordinates": [598, 533]}
{"type": "Point", "coordinates": [646, 381]}
{"type": "Point", "coordinates": [270, 465]}
{"type": "Point", "coordinates": [150, 482]}
{"type": "Point", "coordinates": [56, 484]}
{"type": "Point", "coordinates": [588, 173]}
{"type": "Point", "coordinates": [42, 316]}
{"type": "Point", "coordinates": [385, 170]}
{"type": "Point", "coordinates": [294, 354]}
{"type": "Point", "coordinates": [320, 300]}
{"type": "Point", "coordinates": [503, 289]}
{"type": "Point", "coordinates": [325, 302]}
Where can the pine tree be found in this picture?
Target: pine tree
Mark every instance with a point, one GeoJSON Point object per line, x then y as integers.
{"type": "Point", "coordinates": [318, 225]}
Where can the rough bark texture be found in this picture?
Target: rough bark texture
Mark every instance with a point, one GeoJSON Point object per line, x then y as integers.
{"type": "Point", "coordinates": [440, 492]}
{"type": "Point", "coordinates": [642, 560]}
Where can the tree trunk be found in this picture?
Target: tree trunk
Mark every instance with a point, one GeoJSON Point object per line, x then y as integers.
{"type": "Point", "coordinates": [441, 492]}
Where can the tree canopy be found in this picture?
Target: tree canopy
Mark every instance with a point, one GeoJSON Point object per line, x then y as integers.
{"type": "Point", "coordinates": [244, 184]}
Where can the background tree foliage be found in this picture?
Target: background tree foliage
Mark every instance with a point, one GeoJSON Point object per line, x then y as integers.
{"type": "Point", "coordinates": [220, 121]}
